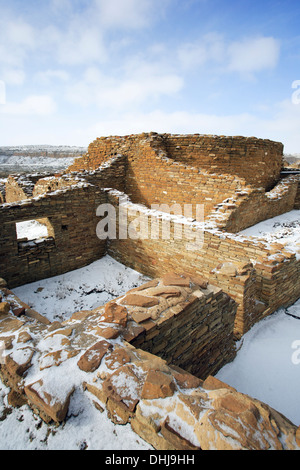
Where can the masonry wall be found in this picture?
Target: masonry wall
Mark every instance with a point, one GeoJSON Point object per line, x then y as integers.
{"type": "Point", "coordinates": [72, 216]}
{"type": "Point", "coordinates": [196, 335]}
{"type": "Point", "coordinates": [258, 161]}
{"type": "Point", "coordinates": [224, 174]}
{"type": "Point", "coordinates": [152, 178]}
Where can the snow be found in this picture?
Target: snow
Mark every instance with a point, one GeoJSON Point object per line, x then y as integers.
{"type": "Point", "coordinates": [266, 367]}
{"type": "Point", "coordinates": [31, 229]}
{"type": "Point", "coordinates": [86, 428]}
{"type": "Point", "coordinates": [284, 229]}
{"type": "Point", "coordinates": [83, 289]}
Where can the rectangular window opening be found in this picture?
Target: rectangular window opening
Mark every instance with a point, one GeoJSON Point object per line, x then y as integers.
{"type": "Point", "coordinates": [36, 229]}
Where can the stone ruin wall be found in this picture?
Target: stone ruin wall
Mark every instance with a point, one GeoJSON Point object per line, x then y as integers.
{"type": "Point", "coordinates": [72, 216]}
{"type": "Point", "coordinates": [260, 278]}
{"type": "Point", "coordinates": [258, 161]}
{"type": "Point", "coordinates": [246, 169]}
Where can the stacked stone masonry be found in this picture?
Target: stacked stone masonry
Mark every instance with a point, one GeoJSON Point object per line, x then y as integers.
{"type": "Point", "coordinates": [210, 285]}
{"type": "Point", "coordinates": [93, 352]}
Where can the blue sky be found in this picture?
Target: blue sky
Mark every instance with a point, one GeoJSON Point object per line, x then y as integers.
{"type": "Point", "coordinates": [74, 70]}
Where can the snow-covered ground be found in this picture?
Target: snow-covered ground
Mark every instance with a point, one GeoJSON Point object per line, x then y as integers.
{"type": "Point", "coordinates": [84, 289]}
{"type": "Point", "coordinates": [267, 365]}
{"type": "Point", "coordinates": [31, 159]}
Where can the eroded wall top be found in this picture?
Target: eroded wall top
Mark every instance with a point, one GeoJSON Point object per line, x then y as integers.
{"type": "Point", "coordinates": [259, 161]}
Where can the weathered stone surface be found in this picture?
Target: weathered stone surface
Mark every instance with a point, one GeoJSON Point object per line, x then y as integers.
{"type": "Point", "coordinates": [228, 269]}
{"type": "Point", "coordinates": [91, 359]}
{"type": "Point", "coordinates": [173, 279]}
{"type": "Point", "coordinates": [117, 358]}
{"type": "Point", "coordinates": [16, 399]}
{"type": "Point", "coordinates": [55, 358]}
{"type": "Point", "coordinates": [132, 332]}
{"type": "Point", "coordinates": [56, 409]}
{"type": "Point", "coordinates": [158, 385]}
{"type": "Point", "coordinates": [123, 387]}
{"type": "Point", "coordinates": [18, 366]}
{"type": "Point", "coordinates": [137, 300]}
{"type": "Point", "coordinates": [19, 311]}
{"type": "Point", "coordinates": [212, 383]}
{"type": "Point", "coordinates": [10, 325]}
{"type": "Point", "coordinates": [115, 313]}
{"type": "Point", "coordinates": [239, 422]}
{"type": "Point", "coordinates": [147, 429]}
{"type": "Point", "coordinates": [147, 285]}
{"type": "Point", "coordinates": [4, 308]}
{"type": "Point", "coordinates": [186, 381]}
{"type": "Point", "coordinates": [24, 337]}
{"type": "Point", "coordinates": [81, 315]}
{"type": "Point", "coordinates": [140, 317]}
{"type": "Point", "coordinates": [3, 282]}
{"type": "Point", "coordinates": [176, 439]}
{"type": "Point", "coordinates": [108, 333]}
{"type": "Point", "coordinates": [298, 437]}
{"type": "Point", "coordinates": [166, 292]}
{"type": "Point", "coordinates": [199, 281]}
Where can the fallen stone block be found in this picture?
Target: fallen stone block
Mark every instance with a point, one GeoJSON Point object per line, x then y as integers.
{"type": "Point", "coordinates": [158, 385]}
{"type": "Point", "coordinates": [49, 407]}
{"type": "Point", "coordinates": [91, 359]}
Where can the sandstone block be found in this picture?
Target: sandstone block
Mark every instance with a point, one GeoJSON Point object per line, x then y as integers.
{"type": "Point", "coordinates": [211, 383]}
{"type": "Point", "coordinates": [115, 313]}
{"type": "Point", "coordinates": [175, 439]}
{"type": "Point", "coordinates": [3, 282]}
{"type": "Point", "coordinates": [158, 385]}
{"type": "Point", "coordinates": [4, 308]}
{"type": "Point", "coordinates": [91, 359]}
{"type": "Point", "coordinates": [54, 408]}
{"type": "Point", "coordinates": [173, 279]}
{"type": "Point", "coordinates": [117, 358]}
{"type": "Point", "coordinates": [136, 300]}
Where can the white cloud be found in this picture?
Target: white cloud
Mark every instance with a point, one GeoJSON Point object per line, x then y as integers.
{"type": "Point", "coordinates": [137, 86]}
{"type": "Point", "coordinates": [210, 48]}
{"type": "Point", "coordinates": [49, 75]}
{"type": "Point", "coordinates": [41, 105]}
{"type": "Point", "coordinates": [127, 14]}
{"type": "Point", "coordinates": [283, 126]}
{"type": "Point", "coordinates": [247, 56]}
{"type": "Point", "coordinates": [17, 41]}
{"type": "Point", "coordinates": [253, 55]}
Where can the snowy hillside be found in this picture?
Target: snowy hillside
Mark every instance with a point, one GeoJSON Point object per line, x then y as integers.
{"type": "Point", "coordinates": [30, 159]}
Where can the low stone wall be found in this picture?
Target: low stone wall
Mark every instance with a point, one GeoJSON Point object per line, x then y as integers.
{"type": "Point", "coordinates": [253, 208]}
{"type": "Point", "coordinates": [20, 187]}
{"type": "Point", "coordinates": [185, 334]}
{"type": "Point", "coordinates": [164, 404]}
